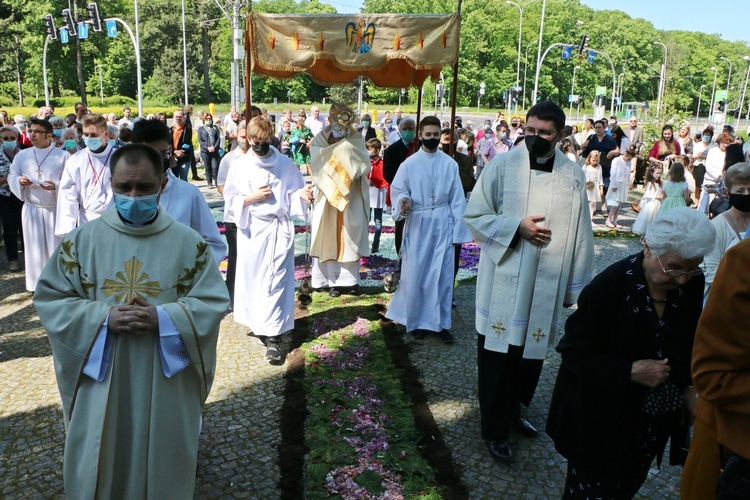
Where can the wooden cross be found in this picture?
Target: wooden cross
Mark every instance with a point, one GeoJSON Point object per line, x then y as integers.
{"type": "Point", "coordinates": [499, 328]}
{"type": "Point", "coordinates": [538, 335]}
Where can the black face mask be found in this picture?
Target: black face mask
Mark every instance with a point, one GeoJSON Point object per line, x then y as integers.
{"type": "Point", "coordinates": [740, 201]}
{"type": "Point", "coordinates": [166, 163]}
{"type": "Point", "coordinates": [431, 144]}
{"type": "Point", "coordinates": [261, 148]}
{"type": "Point", "coordinates": [446, 148]}
{"type": "Point", "coordinates": [538, 147]}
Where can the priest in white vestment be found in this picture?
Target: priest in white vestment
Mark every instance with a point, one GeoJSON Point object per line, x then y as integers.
{"type": "Point", "coordinates": [35, 178]}
{"type": "Point", "coordinates": [85, 190]}
{"type": "Point", "coordinates": [427, 191]}
{"type": "Point", "coordinates": [181, 199]}
{"type": "Point", "coordinates": [264, 189]}
{"type": "Point", "coordinates": [133, 331]}
{"type": "Point", "coordinates": [529, 214]}
{"type": "Point", "coordinates": [341, 211]}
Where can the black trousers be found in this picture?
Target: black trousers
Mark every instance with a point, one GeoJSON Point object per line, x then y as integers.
{"type": "Point", "coordinates": [10, 213]}
{"type": "Point", "coordinates": [211, 166]}
{"type": "Point", "coordinates": [505, 381]}
{"type": "Point", "coordinates": [231, 235]}
{"type": "Point", "coordinates": [457, 255]}
{"type": "Point", "coordinates": [399, 233]}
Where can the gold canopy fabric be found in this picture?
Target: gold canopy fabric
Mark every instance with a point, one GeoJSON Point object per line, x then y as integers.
{"type": "Point", "coordinates": [392, 50]}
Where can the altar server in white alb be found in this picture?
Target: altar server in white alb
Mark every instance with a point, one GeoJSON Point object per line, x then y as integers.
{"type": "Point", "coordinates": [35, 178]}
{"type": "Point", "coordinates": [529, 214]}
{"type": "Point", "coordinates": [85, 190]}
{"type": "Point", "coordinates": [263, 190]}
{"type": "Point", "coordinates": [427, 189]}
{"type": "Point", "coordinates": [182, 200]}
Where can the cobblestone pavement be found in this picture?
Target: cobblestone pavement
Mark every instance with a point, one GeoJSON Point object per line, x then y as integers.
{"type": "Point", "coordinates": [237, 455]}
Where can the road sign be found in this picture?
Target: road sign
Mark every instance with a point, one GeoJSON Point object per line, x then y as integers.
{"type": "Point", "coordinates": [572, 97]}
{"type": "Point", "coordinates": [64, 37]}
{"type": "Point", "coordinates": [591, 57]}
{"type": "Point", "coordinates": [83, 30]}
{"type": "Point", "coordinates": [600, 90]}
{"type": "Point", "coordinates": [567, 52]}
{"type": "Point", "coordinates": [112, 28]}
{"type": "Point", "coordinates": [721, 95]}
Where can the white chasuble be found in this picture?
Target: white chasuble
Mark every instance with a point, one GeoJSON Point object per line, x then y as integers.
{"type": "Point", "coordinates": [341, 211]}
{"type": "Point", "coordinates": [264, 285]}
{"type": "Point", "coordinates": [521, 288]}
{"type": "Point", "coordinates": [39, 208]}
{"type": "Point", "coordinates": [85, 189]}
{"type": "Point", "coordinates": [135, 433]}
{"type": "Point", "coordinates": [423, 298]}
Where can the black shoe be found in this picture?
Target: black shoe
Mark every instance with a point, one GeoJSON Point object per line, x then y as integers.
{"type": "Point", "coordinates": [198, 178]}
{"type": "Point", "coordinates": [334, 293]}
{"type": "Point", "coordinates": [261, 339]}
{"type": "Point", "coordinates": [354, 290]}
{"type": "Point", "coordinates": [524, 428]}
{"type": "Point", "coordinates": [273, 350]}
{"type": "Point", "coordinates": [418, 334]}
{"type": "Point", "coordinates": [375, 250]}
{"type": "Point", "coordinates": [446, 337]}
{"type": "Point", "coordinates": [500, 451]}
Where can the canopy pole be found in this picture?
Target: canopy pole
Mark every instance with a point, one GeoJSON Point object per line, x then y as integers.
{"type": "Point", "coordinates": [248, 61]}
{"type": "Point", "coordinates": [419, 105]}
{"type": "Point", "coordinates": [454, 90]}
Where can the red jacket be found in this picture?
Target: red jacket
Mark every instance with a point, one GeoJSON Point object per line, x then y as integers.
{"type": "Point", "coordinates": [376, 174]}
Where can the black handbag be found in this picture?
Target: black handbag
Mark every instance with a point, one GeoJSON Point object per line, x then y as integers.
{"type": "Point", "coordinates": [718, 206]}
{"type": "Point", "coordinates": [734, 481]}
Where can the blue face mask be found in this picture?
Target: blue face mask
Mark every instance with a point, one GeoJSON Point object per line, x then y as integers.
{"type": "Point", "coordinates": [137, 210]}
{"type": "Point", "coordinates": [57, 132]}
{"type": "Point", "coordinates": [365, 123]}
{"type": "Point", "coordinates": [10, 145]}
{"type": "Point", "coordinates": [502, 135]}
{"type": "Point", "coordinates": [706, 138]}
{"type": "Point", "coordinates": [113, 142]}
{"type": "Point", "coordinates": [69, 144]}
{"type": "Point", "coordinates": [93, 143]}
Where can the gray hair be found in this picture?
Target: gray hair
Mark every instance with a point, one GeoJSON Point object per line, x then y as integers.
{"type": "Point", "coordinates": [682, 232]}
{"type": "Point", "coordinates": [113, 130]}
{"type": "Point", "coordinates": [737, 174]}
{"type": "Point", "coordinates": [56, 119]}
{"type": "Point", "coordinates": [405, 121]}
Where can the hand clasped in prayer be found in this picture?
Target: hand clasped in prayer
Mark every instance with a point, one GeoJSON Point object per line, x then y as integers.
{"type": "Point", "coordinates": [135, 317]}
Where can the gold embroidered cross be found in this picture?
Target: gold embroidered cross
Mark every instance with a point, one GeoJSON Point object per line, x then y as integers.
{"type": "Point", "coordinates": [131, 283]}
{"type": "Point", "coordinates": [499, 328]}
{"type": "Point", "coordinates": [538, 335]}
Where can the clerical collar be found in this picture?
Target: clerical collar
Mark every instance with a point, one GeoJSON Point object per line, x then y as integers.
{"type": "Point", "coordinates": [542, 164]}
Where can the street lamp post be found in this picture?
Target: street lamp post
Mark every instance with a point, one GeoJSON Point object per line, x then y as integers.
{"type": "Point", "coordinates": [520, 32]}
{"type": "Point", "coordinates": [101, 83]}
{"type": "Point", "coordinates": [539, 49]}
{"type": "Point", "coordinates": [662, 80]}
{"type": "Point", "coordinates": [698, 111]}
{"type": "Point", "coordinates": [729, 77]}
{"type": "Point", "coordinates": [713, 94]}
{"type": "Point", "coordinates": [572, 88]}
{"type": "Point", "coordinates": [622, 84]}
{"type": "Point", "coordinates": [184, 53]}
{"type": "Point", "coordinates": [744, 90]}
{"type": "Point", "coordinates": [526, 67]}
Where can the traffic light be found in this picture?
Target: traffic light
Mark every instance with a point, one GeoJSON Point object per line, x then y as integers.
{"type": "Point", "coordinates": [513, 96]}
{"type": "Point", "coordinates": [583, 46]}
{"type": "Point", "coordinates": [70, 23]}
{"type": "Point", "coordinates": [96, 20]}
{"type": "Point", "coordinates": [538, 96]}
{"type": "Point", "coordinates": [721, 106]}
{"type": "Point", "coordinates": [49, 22]}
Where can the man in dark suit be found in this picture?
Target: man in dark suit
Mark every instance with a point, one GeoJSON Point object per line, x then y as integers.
{"type": "Point", "coordinates": [465, 173]}
{"type": "Point", "coordinates": [394, 156]}
{"type": "Point", "coordinates": [182, 143]}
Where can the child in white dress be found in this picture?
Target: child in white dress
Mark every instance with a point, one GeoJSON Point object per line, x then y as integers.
{"type": "Point", "coordinates": [594, 182]}
{"type": "Point", "coordinates": [651, 201]}
{"type": "Point", "coordinates": [619, 181]}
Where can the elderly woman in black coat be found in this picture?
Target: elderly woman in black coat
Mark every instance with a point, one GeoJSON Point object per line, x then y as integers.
{"type": "Point", "coordinates": [624, 383]}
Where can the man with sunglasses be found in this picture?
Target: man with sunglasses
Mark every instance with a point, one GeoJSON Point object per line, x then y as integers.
{"type": "Point", "coordinates": [529, 214]}
{"type": "Point", "coordinates": [34, 178]}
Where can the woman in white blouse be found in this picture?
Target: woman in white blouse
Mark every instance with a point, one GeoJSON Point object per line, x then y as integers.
{"type": "Point", "coordinates": [731, 226]}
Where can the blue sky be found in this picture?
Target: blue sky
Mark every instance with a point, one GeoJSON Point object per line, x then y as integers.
{"type": "Point", "coordinates": [731, 21]}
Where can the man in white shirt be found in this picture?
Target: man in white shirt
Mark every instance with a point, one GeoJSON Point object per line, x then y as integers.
{"type": "Point", "coordinates": [126, 120]}
{"type": "Point", "coordinates": [85, 190]}
{"type": "Point", "coordinates": [315, 122]}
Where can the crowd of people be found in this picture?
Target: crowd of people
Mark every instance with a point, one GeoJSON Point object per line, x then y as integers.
{"type": "Point", "coordinates": [95, 200]}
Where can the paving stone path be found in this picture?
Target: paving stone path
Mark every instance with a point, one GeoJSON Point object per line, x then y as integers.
{"type": "Point", "coordinates": [237, 455]}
